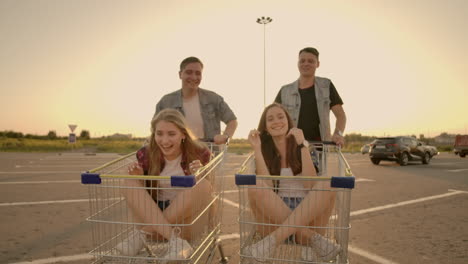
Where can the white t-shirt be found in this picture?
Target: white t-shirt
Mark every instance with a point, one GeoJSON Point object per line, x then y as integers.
{"type": "Point", "coordinates": [171, 168]}
{"type": "Point", "coordinates": [193, 116]}
{"type": "Point", "coordinates": [293, 186]}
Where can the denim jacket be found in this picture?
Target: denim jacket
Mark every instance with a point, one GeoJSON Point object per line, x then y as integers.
{"type": "Point", "coordinates": [291, 100]}
{"type": "Point", "coordinates": [212, 107]}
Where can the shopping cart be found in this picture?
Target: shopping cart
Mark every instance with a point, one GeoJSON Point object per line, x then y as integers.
{"type": "Point", "coordinates": [320, 220]}
{"type": "Point", "coordinates": [115, 228]}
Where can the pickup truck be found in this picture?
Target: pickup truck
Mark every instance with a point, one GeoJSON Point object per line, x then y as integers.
{"type": "Point", "coordinates": [461, 145]}
{"type": "Point", "coordinates": [401, 150]}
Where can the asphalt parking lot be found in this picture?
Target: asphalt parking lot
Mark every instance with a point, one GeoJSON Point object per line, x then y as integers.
{"type": "Point", "coordinates": [411, 214]}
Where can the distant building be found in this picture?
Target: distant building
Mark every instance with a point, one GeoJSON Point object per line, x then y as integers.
{"type": "Point", "coordinates": [444, 138]}
{"type": "Point", "coordinates": [120, 136]}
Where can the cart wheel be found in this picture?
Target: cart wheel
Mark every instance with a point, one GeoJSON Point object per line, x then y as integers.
{"type": "Point", "coordinates": [375, 161]}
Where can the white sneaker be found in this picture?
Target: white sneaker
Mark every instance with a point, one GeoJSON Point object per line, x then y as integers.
{"type": "Point", "coordinates": [324, 247]}
{"type": "Point", "coordinates": [178, 249]}
{"type": "Point", "coordinates": [263, 249]}
{"type": "Point", "coordinates": [132, 244]}
{"type": "Point", "coordinates": [308, 254]}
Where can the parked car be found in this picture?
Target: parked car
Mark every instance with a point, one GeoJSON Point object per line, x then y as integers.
{"type": "Point", "coordinates": [461, 145]}
{"type": "Point", "coordinates": [401, 150]}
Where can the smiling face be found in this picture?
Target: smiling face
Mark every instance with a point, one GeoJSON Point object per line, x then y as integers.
{"type": "Point", "coordinates": [169, 137]}
{"type": "Point", "coordinates": [307, 64]}
{"type": "Point", "coordinates": [276, 122]}
{"type": "Point", "coordinates": [191, 75]}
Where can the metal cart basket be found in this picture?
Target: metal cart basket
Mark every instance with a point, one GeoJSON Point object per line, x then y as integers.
{"type": "Point", "coordinates": [116, 228]}
{"type": "Point", "coordinates": [319, 220]}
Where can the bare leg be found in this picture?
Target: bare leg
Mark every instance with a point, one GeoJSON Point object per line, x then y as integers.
{"type": "Point", "coordinates": [269, 205]}
{"type": "Point", "coordinates": [188, 205]}
{"type": "Point", "coordinates": [303, 235]}
{"type": "Point", "coordinates": [182, 207]}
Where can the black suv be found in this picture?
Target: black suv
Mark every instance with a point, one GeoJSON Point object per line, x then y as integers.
{"type": "Point", "coordinates": [401, 150]}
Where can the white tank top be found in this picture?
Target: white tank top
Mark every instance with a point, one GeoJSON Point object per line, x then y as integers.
{"type": "Point", "coordinates": [193, 116]}
{"type": "Point", "coordinates": [171, 168]}
{"type": "Point", "coordinates": [290, 188]}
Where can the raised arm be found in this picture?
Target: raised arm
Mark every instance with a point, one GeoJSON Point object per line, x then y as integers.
{"type": "Point", "coordinates": [308, 168]}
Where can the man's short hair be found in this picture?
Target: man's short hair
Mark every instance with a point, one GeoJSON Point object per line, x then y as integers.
{"type": "Point", "coordinates": [310, 50]}
{"type": "Point", "coordinates": [188, 61]}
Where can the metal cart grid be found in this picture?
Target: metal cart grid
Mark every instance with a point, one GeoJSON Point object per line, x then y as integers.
{"type": "Point", "coordinates": [113, 222]}
{"type": "Point", "coordinates": [335, 172]}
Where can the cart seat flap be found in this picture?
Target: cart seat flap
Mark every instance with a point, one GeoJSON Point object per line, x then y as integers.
{"type": "Point", "coordinates": [246, 179]}
{"type": "Point", "coordinates": [90, 178]}
{"type": "Point", "coordinates": [342, 182]}
{"type": "Point", "coordinates": [183, 181]}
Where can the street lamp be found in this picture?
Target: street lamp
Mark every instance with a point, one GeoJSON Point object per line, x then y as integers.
{"type": "Point", "coordinates": [264, 21]}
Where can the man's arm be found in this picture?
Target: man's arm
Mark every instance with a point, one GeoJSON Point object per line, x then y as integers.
{"type": "Point", "coordinates": [231, 127]}
{"type": "Point", "coordinates": [340, 124]}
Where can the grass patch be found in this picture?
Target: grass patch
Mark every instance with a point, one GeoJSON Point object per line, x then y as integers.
{"type": "Point", "coordinates": [123, 146]}
{"type": "Point", "coordinates": [62, 145]}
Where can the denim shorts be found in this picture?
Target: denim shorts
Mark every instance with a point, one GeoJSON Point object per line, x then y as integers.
{"type": "Point", "coordinates": [292, 202]}
{"type": "Point", "coordinates": [163, 204]}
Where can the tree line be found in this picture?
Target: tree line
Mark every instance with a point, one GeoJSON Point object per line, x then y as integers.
{"type": "Point", "coordinates": [84, 134]}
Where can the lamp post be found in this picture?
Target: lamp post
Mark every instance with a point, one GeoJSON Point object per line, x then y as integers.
{"type": "Point", "coordinates": [264, 21]}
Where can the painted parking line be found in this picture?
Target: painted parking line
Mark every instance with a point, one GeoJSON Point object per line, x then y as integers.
{"type": "Point", "coordinates": [368, 255]}
{"type": "Point", "coordinates": [40, 182]}
{"type": "Point", "coordinates": [57, 166]}
{"type": "Point", "coordinates": [88, 256]}
{"type": "Point", "coordinates": [229, 202]}
{"type": "Point", "coordinates": [45, 202]}
{"type": "Point", "coordinates": [229, 236]}
{"type": "Point", "coordinates": [424, 199]}
{"type": "Point", "coordinates": [54, 202]}
{"type": "Point", "coordinates": [459, 170]}
{"type": "Point", "coordinates": [357, 251]}
{"type": "Point", "coordinates": [65, 259]}
{"type": "Point", "coordinates": [351, 248]}
{"type": "Point", "coordinates": [38, 172]}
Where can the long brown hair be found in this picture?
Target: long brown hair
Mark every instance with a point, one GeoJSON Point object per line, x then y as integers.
{"type": "Point", "coordinates": [270, 152]}
{"type": "Point", "coordinates": [190, 147]}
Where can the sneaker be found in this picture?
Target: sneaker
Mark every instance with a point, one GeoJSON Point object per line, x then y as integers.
{"type": "Point", "coordinates": [178, 249]}
{"type": "Point", "coordinates": [132, 244]}
{"type": "Point", "coordinates": [308, 254]}
{"type": "Point", "coordinates": [263, 249]}
{"type": "Point", "coordinates": [325, 248]}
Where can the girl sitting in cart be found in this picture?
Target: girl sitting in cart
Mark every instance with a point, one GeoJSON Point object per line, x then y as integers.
{"type": "Point", "coordinates": [280, 149]}
{"type": "Point", "coordinates": [172, 150]}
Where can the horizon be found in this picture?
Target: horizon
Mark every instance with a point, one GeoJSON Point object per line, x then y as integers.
{"type": "Point", "coordinates": [234, 138]}
{"type": "Point", "coordinates": [399, 66]}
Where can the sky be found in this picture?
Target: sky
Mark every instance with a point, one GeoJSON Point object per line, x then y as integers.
{"type": "Point", "coordinates": [400, 66]}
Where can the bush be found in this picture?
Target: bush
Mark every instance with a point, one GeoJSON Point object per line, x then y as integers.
{"type": "Point", "coordinates": [85, 134]}
{"type": "Point", "coordinates": [52, 135]}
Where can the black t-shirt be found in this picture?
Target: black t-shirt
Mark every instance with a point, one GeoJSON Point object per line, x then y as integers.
{"type": "Point", "coordinates": [308, 114]}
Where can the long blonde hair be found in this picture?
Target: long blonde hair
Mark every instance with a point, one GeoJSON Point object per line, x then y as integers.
{"type": "Point", "coordinates": [190, 147]}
